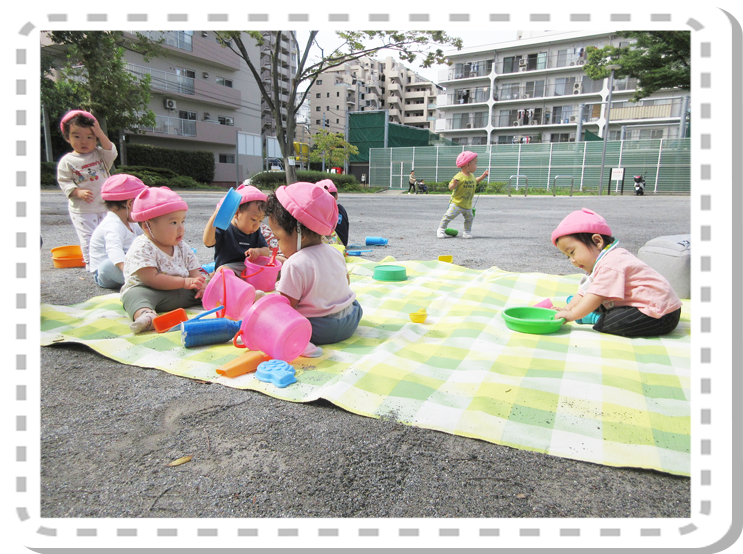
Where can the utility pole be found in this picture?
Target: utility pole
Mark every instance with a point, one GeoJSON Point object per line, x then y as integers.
{"type": "Point", "coordinates": [323, 154]}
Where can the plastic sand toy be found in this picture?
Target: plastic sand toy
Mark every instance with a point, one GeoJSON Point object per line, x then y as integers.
{"type": "Point", "coordinates": [529, 319]}
{"type": "Point", "coordinates": [277, 372]}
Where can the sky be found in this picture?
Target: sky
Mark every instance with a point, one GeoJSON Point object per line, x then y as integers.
{"type": "Point", "coordinates": [328, 40]}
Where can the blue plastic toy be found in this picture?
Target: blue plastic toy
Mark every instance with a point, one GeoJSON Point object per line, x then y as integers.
{"type": "Point", "coordinates": [357, 252]}
{"type": "Point", "coordinates": [375, 241]}
{"type": "Point", "coordinates": [278, 372]}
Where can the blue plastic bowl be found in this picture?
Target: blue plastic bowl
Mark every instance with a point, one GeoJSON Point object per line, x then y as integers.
{"type": "Point", "coordinates": [227, 210]}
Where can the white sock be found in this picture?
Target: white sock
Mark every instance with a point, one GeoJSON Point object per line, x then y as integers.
{"type": "Point", "coordinates": [143, 322]}
{"type": "Point", "coordinates": [312, 351]}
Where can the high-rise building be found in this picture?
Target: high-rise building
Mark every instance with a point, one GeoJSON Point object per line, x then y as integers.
{"type": "Point", "coordinates": [532, 90]}
{"type": "Point", "coordinates": [286, 69]}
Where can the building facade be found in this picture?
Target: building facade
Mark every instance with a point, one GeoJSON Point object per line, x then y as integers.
{"type": "Point", "coordinates": [203, 96]}
{"type": "Point", "coordinates": [286, 69]}
{"type": "Point", "coordinates": [533, 90]}
{"type": "Point", "coordinates": [368, 84]}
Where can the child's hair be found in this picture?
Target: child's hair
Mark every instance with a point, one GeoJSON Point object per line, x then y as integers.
{"type": "Point", "coordinates": [586, 238]}
{"type": "Point", "coordinates": [80, 120]}
{"type": "Point", "coordinates": [260, 204]}
{"type": "Point", "coordinates": [286, 221]}
{"type": "Point", "coordinates": [112, 205]}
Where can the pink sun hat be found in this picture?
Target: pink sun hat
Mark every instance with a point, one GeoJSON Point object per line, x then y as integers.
{"type": "Point", "coordinates": [156, 201]}
{"type": "Point", "coordinates": [249, 193]}
{"type": "Point", "coordinates": [581, 221]}
{"type": "Point", "coordinates": [121, 187]}
{"type": "Point", "coordinates": [311, 205]}
{"type": "Point", "coordinates": [465, 157]}
{"type": "Point", "coordinates": [72, 113]}
{"type": "Point", "coordinates": [328, 185]}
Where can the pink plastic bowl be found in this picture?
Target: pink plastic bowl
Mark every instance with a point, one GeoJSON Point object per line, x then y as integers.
{"type": "Point", "coordinates": [275, 328]}
{"type": "Point", "coordinates": [228, 290]}
{"type": "Point", "coordinates": [262, 276]}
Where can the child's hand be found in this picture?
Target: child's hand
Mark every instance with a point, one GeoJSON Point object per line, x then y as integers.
{"type": "Point", "coordinates": [252, 254]}
{"type": "Point", "coordinates": [197, 283]}
{"type": "Point", "coordinates": [486, 173]}
{"type": "Point", "coordinates": [566, 314]}
{"type": "Point", "coordinates": [97, 131]}
{"type": "Point", "coordinates": [84, 194]}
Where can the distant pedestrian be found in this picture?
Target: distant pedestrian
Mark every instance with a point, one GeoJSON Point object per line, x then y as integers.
{"type": "Point", "coordinates": [411, 182]}
{"type": "Point", "coordinates": [463, 187]}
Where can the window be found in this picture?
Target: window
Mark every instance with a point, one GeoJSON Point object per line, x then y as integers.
{"type": "Point", "coordinates": [225, 120]}
{"type": "Point", "coordinates": [317, 95]}
{"type": "Point", "coordinates": [189, 73]}
{"type": "Point", "coordinates": [182, 114]}
{"type": "Point", "coordinates": [327, 95]}
{"type": "Point", "coordinates": [337, 120]}
{"type": "Point", "coordinates": [318, 82]}
{"type": "Point", "coordinates": [337, 107]}
{"type": "Point", "coordinates": [224, 82]}
{"type": "Point", "coordinates": [337, 93]}
{"type": "Point", "coordinates": [318, 122]}
{"type": "Point", "coordinates": [318, 109]}
{"type": "Point", "coordinates": [249, 145]}
{"type": "Point", "coordinates": [227, 158]}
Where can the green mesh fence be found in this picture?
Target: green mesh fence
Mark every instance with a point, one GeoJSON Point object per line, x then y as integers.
{"type": "Point", "coordinates": [665, 163]}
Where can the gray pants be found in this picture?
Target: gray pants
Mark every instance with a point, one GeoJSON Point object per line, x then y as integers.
{"type": "Point", "coordinates": [161, 301]}
{"type": "Point", "coordinates": [453, 212]}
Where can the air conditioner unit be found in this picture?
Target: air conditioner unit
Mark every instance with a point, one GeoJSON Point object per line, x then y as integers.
{"type": "Point", "coordinates": [207, 115]}
{"type": "Point", "coordinates": [522, 62]}
{"type": "Point", "coordinates": [229, 121]}
{"type": "Point", "coordinates": [169, 104]}
{"type": "Point", "coordinates": [572, 63]}
{"type": "Point", "coordinates": [572, 119]}
{"type": "Point", "coordinates": [526, 96]}
{"type": "Point", "coordinates": [522, 69]}
{"type": "Point", "coordinates": [578, 90]}
{"type": "Point", "coordinates": [516, 123]}
{"type": "Point", "coordinates": [205, 75]}
{"type": "Point", "coordinates": [572, 135]}
{"type": "Point", "coordinates": [532, 122]}
{"type": "Point", "coordinates": [204, 34]}
{"type": "Point", "coordinates": [576, 85]}
{"type": "Point", "coordinates": [581, 62]}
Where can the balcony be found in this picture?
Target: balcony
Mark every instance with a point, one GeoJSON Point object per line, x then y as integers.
{"type": "Point", "coordinates": [467, 121]}
{"type": "Point", "coordinates": [164, 81]}
{"type": "Point", "coordinates": [182, 40]}
{"type": "Point", "coordinates": [174, 126]}
{"type": "Point", "coordinates": [188, 129]}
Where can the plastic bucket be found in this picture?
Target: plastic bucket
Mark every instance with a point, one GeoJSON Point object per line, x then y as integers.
{"type": "Point", "coordinates": [228, 290]}
{"type": "Point", "coordinates": [208, 331]}
{"type": "Point", "coordinates": [227, 210]}
{"type": "Point", "coordinates": [275, 328]}
{"type": "Point", "coordinates": [375, 241]}
{"type": "Point", "coordinates": [261, 276]}
{"type": "Point", "coordinates": [68, 256]}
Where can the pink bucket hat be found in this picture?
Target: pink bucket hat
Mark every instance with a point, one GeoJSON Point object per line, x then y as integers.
{"type": "Point", "coordinates": [311, 205]}
{"type": "Point", "coordinates": [121, 187]}
{"type": "Point", "coordinates": [465, 157]}
{"type": "Point", "coordinates": [72, 113]}
{"type": "Point", "coordinates": [249, 194]}
{"type": "Point", "coordinates": [156, 201]}
{"type": "Point", "coordinates": [581, 221]}
{"type": "Point", "coordinates": [328, 185]}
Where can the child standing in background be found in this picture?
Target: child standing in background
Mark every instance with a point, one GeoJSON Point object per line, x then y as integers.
{"type": "Point", "coordinates": [81, 173]}
{"type": "Point", "coordinates": [161, 272]}
{"type": "Point", "coordinates": [314, 277]}
{"type": "Point", "coordinates": [621, 294]}
{"type": "Point", "coordinates": [463, 187]}
{"type": "Point", "coordinates": [243, 238]}
{"type": "Point", "coordinates": [341, 227]}
{"type": "Point", "coordinates": [114, 236]}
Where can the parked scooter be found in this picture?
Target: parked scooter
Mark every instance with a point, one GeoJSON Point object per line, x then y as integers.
{"type": "Point", "coordinates": [639, 185]}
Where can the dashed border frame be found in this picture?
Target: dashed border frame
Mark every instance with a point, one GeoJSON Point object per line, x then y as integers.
{"type": "Point", "coordinates": [715, 522]}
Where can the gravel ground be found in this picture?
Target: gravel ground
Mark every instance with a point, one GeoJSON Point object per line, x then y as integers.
{"type": "Point", "coordinates": [107, 429]}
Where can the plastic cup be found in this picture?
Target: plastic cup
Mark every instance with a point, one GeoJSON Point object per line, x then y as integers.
{"type": "Point", "coordinates": [447, 258]}
{"type": "Point", "coordinates": [275, 328]}
{"type": "Point", "coordinates": [208, 331]}
{"type": "Point", "coordinates": [375, 241]}
{"type": "Point", "coordinates": [227, 210]}
{"type": "Point", "coordinates": [261, 275]}
{"type": "Point", "coordinates": [228, 290]}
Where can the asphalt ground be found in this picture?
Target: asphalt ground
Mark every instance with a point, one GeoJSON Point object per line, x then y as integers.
{"type": "Point", "coordinates": [108, 430]}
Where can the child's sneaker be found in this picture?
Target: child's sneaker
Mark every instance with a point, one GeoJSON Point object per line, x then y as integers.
{"type": "Point", "coordinates": [466, 235]}
{"type": "Point", "coordinates": [441, 234]}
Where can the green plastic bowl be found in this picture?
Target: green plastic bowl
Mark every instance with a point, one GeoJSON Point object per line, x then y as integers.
{"type": "Point", "coordinates": [528, 319]}
{"type": "Point", "coordinates": [389, 273]}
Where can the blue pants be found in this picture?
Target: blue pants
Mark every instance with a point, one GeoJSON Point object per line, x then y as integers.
{"type": "Point", "coordinates": [329, 329]}
{"type": "Point", "coordinates": [108, 275]}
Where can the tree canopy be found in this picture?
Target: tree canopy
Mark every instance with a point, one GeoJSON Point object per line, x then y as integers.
{"type": "Point", "coordinates": [334, 146]}
{"type": "Point", "coordinates": [658, 60]}
{"type": "Point", "coordinates": [356, 44]}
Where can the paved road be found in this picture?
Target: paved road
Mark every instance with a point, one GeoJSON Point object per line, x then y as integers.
{"type": "Point", "coordinates": [109, 429]}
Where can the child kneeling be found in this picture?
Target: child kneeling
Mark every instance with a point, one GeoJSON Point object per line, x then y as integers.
{"type": "Point", "coordinates": [621, 294]}
{"type": "Point", "coordinates": [314, 277]}
{"type": "Point", "coordinates": [161, 272]}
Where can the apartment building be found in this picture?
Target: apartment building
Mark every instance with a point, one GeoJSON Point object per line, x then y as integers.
{"type": "Point", "coordinates": [532, 90]}
{"type": "Point", "coordinates": [203, 96]}
{"type": "Point", "coordinates": [369, 84]}
{"type": "Point", "coordinates": [285, 71]}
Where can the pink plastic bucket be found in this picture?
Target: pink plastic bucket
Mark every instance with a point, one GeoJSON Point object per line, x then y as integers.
{"type": "Point", "coordinates": [261, 276]}
{"type": "Point", "coordinates": [228, 290]}
{"type": "Point", "coordinates": [275, 328]}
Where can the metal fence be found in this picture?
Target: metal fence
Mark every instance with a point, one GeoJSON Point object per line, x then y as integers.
{"type": "Point", "coordinates": [665, 163]}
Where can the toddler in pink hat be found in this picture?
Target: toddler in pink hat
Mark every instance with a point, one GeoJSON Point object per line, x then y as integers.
{"type": "Point", "coordinates": [115, 234]}
{"type": "Point", "coordinates": [314, 277]}
{"type": "Point", "coordinates": [341, 228]}
{"type": "Point", "coordinates": [81, 173]}
{"type": "Point", "coordinates": [243, 238]}
{"type": "Point", "coordinates": [161, 272]}
{"type": "Point", "coordinates": [463, 187]}
{"type": "Point", "coordinates": [620, 294]}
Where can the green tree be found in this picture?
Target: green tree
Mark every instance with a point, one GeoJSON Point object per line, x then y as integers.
{"type": "Point", "coordinates": [658, 60]}
{"type": "Point", "coordinates": [357, 44]}
{"type": "Point", "coordinates": [334, 146]}
{"type": "Point", "coordinates": [95, 69]}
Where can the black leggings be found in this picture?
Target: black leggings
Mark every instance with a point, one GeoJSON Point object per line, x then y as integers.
{"type": "Point", "coordinates": [411, 187]}
{"type": "Point", "coordinates": [628, 321]}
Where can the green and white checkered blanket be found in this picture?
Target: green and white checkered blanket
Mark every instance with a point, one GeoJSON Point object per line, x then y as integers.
{"type": "Point", "coordinates": [575, 393]}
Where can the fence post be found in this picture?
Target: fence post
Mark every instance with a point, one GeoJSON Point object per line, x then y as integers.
{"type": "Point", "coordinates": [657, 170]}
{"type": "Point", "coordinates": [583, 167]}
{"type": "Point", "coordinates": [490, 160]}
{"type": "Point", "coordinates": [621, 151]}
{"type": "Point", "coordinates": [437, 164]}
{"type": "Point", "coordinates": [549, 166]}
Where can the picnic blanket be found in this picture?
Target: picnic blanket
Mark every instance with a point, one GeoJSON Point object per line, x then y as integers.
{"type": "Point", "coordinates": [575, 393]}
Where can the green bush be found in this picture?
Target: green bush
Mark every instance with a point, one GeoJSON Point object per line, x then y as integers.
{"type": "Point", "coordinates": [274, 179]}
{"type": "Point", "coordinates": [48, 174]}
{"type": "Point", "coordinates": [197, 164]}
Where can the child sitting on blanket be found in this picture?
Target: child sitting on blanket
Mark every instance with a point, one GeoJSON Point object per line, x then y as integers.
{"type": "Point", "coordinates": [341, 229]}
{"type": "Point", "coordinates": [114, 236]}
{"type": "Point", "coordinates": [314, 277]}
{"type": "Point", "coordinates": [242, 239]}
{"type": "Point", "coordinates": [161, 272]}
{"type": "Point", "coordinates": [620, 294]}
